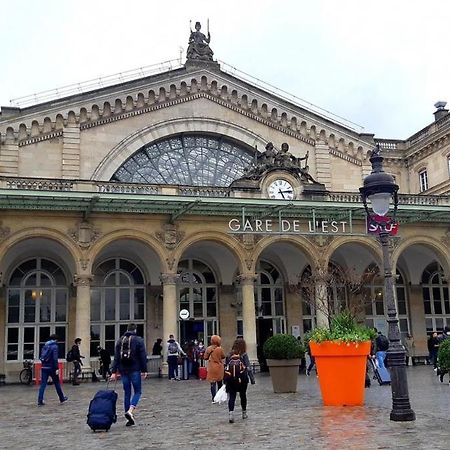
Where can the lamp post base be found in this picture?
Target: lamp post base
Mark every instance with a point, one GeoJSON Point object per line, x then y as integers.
{"type": "Point", "coordinates": [408, 415]}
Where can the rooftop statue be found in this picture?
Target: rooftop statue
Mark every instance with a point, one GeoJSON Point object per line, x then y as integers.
{"type": "Point", "coordinates": [272, 159]}
{"type": "Point", "coordinates": [199, 45]}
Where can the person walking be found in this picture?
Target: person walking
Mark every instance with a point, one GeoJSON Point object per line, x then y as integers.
{"type": "Point", "coordinates": [49, 360]}
{"type": "Point", "coordinates": [434, 348]}
{"type": "Point", "coordinates": [312, 361]}
{"type": "Point", "coordinates": [77, 363]}
{"type": "Point", "coordinates": [130, 359]}
{"type": "Point", "coordinates": [105, 362]}
{"type": "Point", "coordinates": [214, 355]}
{"type": "Point", "coordinates": [238, 373]}
{"type": "Point", "coordinates": [174, 351]}
{"type": "Point", "coordinates": [410, 350]}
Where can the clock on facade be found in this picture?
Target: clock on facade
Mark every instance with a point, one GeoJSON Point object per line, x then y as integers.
{"type": "Point", "coordinates": [281, 189]}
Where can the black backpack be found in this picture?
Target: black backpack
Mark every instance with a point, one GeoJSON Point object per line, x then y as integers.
{"type": "Point", "coordinates": [125, 351]}
{"type": "Point", "coordinates": [235, 369]}
{"type": "Point", "coordinates": [382, 343]}
{"type": "Point", "coordinates": [69, 356]}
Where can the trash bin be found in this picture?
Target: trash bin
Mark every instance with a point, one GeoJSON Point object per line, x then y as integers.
{"type": "Point", "coordinates": [38, 367]}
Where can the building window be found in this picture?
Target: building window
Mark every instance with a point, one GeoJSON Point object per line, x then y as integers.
{"type": "Point", "coordinates": [435, 293]}
{"type": "Point", "coordinates": [192, 160]}
{"type": "Point", "coordinates": [423, 179]}
{"type": "Point", "coordinates": [117, 298]}
{"type": "Point", "coordinates": [448, 164]}
{"type": "Point", "coordinates": [197, 292]}
{"type": "Point", "coordinates": [37, 296]}
{"type": "Point", "coordinates": [375, 305]}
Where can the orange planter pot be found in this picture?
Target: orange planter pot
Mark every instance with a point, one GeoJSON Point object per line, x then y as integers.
{"type": "Point", "coordinates": [342, 369]}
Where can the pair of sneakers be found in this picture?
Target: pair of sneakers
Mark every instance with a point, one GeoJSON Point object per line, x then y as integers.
{"type": "Point", "coordinates": [130, 418]}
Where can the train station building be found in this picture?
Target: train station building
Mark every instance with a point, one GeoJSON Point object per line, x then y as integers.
{"type": "Point", "coordinates": [196, 187]}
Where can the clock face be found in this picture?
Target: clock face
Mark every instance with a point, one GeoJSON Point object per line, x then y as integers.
{"type": "Point", "coordinates": [281, 189]}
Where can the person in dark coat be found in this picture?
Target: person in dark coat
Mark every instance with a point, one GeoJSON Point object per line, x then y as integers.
{"type": "Point", "coordinates": [105, 362]}
{"type": "Point", "coordinates": [49, 359]}
{"type": "Point", "coordinates": [77, 363]}
{"type": "Point", "coordinates": [130, 359]}
{"type": "Point", "coordinates": [233, 386]}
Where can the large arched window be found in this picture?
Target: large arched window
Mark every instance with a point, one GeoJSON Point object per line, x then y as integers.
{"type": "Point", "coordinates": [269, 301]}
{"type": "Point", "coordinates": [197, 293]}
{"type": "Point", "coordinates": [117, 298]}
{"type": "Point", "coordinates": [37, 296]}
{"type": "Point", "coordinates": [188, 159]}
{"type": "Point", "coordinates": [435, 298]}
{"type": "Point", "coordinates": [375, 305]}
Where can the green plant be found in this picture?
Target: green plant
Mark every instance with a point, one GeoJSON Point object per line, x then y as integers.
{"type": "Point", "coordinates": [444, 355]}
{"type": "Point", "coordinates": [343, 328]}
{"type": "Point", "coordinates": [283, 346]}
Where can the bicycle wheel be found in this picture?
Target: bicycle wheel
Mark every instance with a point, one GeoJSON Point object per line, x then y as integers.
{"type": "Point", "coordinates": [25, 376]}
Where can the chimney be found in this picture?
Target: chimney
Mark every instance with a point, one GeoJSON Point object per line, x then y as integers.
{"type": "Point", "coordinates": [440, 111]}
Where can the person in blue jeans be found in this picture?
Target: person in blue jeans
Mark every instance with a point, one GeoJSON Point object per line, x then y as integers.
{"type": "Point", "coordinates": [130, 359]}
{"type": "Point", "coordinates": [49, 359]}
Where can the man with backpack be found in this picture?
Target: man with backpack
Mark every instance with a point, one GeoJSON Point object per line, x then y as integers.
{"type": "Point", "coordinates": [130, 359]}
{"type": "Point", "coordinates": [174, 350]}
{"type": "Point", "coordinates": [49, 360]}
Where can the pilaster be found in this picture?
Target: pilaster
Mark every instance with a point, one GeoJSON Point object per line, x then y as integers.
{"type": "Point", "coordinates": [247, 282]}
{"type": "Point", "coordinates": [71, 152]}
{"type": "Point", "coordinates": [83, 314]}
{"type": "Point", "coordinates": [323, 164]}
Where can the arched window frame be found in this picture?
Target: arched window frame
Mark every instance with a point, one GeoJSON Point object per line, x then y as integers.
{"type": "Point", "coordinates": [187, 159]}
{"type": "Point", "coordinates": [37, 306]}
{"type": "Point", "coordinates": [117, 298]}
{"type": "Point", "coordinates": [435, 293]}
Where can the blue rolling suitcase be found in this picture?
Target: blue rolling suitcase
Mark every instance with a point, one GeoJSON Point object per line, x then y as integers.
{"type": "Point", "coordinates": [102, 410]}
{"type": "Point", "coordinates": [381, 374]}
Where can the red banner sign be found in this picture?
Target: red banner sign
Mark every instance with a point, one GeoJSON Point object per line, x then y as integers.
{"type": "Point", "coordinates": [378, 224]}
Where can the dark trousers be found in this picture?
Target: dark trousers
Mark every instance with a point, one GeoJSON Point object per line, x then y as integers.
{"type": "Point", "coordinates": [312, 363]}
{"type": "Point", "coordinates": [172, 361]}
{"type": "Point", "coordinates": [76, 370]}
{"type": "Point", "coordinates": [104, 370]}
{"type": "Point", "coordinates": [45, 373]}
{"type": "Point", "coordinates": [233, 389]}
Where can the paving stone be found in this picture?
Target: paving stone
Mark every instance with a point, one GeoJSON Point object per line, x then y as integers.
{"type": "Point", "coordinates": [180, 415]}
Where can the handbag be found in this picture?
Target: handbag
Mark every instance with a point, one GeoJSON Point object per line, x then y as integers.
{"type": "Point", "coordinates": [221, 395]}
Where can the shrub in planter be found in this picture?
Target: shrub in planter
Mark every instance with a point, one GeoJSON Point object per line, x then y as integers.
{"type": "Point", "coordinates": [283, 353]}
{"type": "Point", "coordinates": [283, 346]}
{"type": "Point", "coordinates": [343, 328]}
{"type": "Point", "coordinates": [444, 356]}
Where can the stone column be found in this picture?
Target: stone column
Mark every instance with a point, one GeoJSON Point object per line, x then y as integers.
{"type": "Point", "coordinates": [170, 316]}
{"type": "Point", "coordinates": [323, 164]}
{"type": "Point", "coordinates": [417, 317]}
{"type": "Point", "coordinates": [227, 314]}
{"type": "Point", "coordinates": [248, 312]}
{"type": "Point", "coordinates": [83, 316]}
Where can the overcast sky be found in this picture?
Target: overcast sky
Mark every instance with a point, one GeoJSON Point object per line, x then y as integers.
{"type": "Point", "coordinates": [382, 64]}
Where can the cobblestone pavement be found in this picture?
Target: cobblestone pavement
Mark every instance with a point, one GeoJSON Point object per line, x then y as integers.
{"type": "Point", "coordinates": [179, 415]}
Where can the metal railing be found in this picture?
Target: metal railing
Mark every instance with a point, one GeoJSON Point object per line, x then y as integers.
{"type": "Point", "coordinates": [96, 83]}
{"type": "Point", "coordinates": [43, 184]}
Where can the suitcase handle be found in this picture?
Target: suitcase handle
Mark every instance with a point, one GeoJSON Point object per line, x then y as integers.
{"type": "Point", "coordinates": [115, 384]}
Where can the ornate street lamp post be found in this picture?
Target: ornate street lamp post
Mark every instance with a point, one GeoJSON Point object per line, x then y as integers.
{"type": "Point", "coordinates": [380, 191]}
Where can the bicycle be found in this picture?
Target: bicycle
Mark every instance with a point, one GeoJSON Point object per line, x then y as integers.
{"type": "Point", "coordinates": [26, 374]}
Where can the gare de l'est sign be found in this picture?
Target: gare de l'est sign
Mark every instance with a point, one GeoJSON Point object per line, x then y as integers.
{"type": "Point", "coordinates": [245, 225]}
